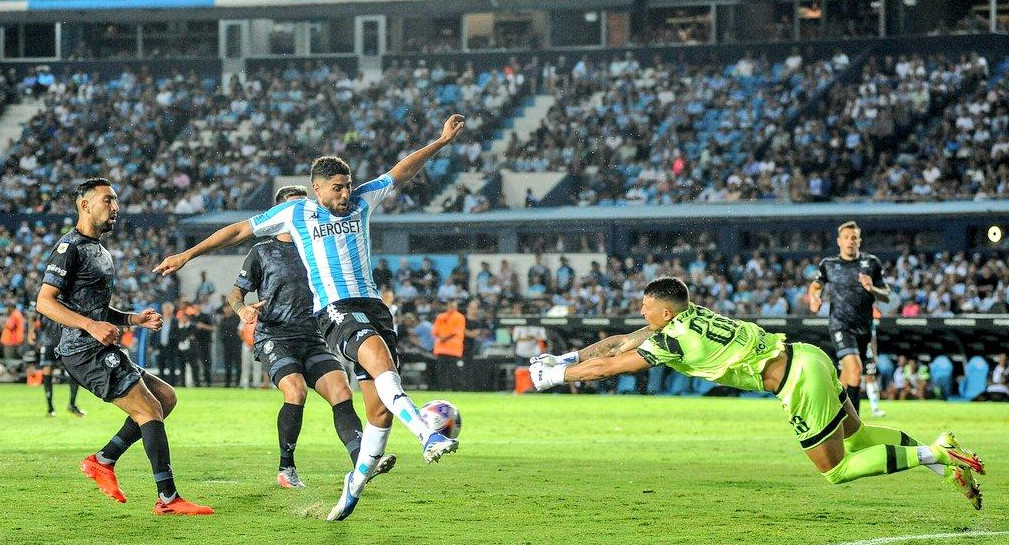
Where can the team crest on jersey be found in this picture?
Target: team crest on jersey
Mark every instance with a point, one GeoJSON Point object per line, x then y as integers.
{"type": "Point", "coordinates": [268, 347]}
{"type": "Point", "coordinates": [111, 360]}
{"type": "Point", "coordinates": [243, 273]}
{"type": "Point", "coordinates": [335, 315]}
{"type": "Point", "coordinates": [360, 317]}
{"type": "Point", "coordinates": [62, 248]}
{"type": "Point", "coordinates": [865, 263]}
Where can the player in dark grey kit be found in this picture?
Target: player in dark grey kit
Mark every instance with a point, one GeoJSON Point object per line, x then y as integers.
{"type": "Point", "coordinates": [76, 292]}
{"type": "Point", "coordinates": [856, 283]}
{"type": "Point", "coordinates": [289, 343]}
{"type": "Point", "coordinates": [47, 338]}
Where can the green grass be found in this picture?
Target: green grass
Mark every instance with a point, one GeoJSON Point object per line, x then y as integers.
{"type": "Point", "coordinates": [531, 469]}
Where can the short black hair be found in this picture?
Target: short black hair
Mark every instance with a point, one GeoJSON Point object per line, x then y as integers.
{"type": "Point", "coordinates": [289, 191]}
{"type": "Point", "coordinates": [86, 186]}
{"type": "Point", "coordinates": [848, 224]}
{"type": "Point", "coordinates": [328, 166]}
{"type": "Point", "coordinates": [668, 289]}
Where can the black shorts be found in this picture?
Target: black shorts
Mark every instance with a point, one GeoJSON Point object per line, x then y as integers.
{"type": "Point", "coordinates": [848, 343]}
{"type": "Point", "coordinates": [347, 323]}
{"type": "Point", "coordinates": [310, 358]}
{"type": "Point", "coordinates": [106, 371]}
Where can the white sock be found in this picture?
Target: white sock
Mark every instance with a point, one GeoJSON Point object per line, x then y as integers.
{"type": "Point", "coordinates": [390, 390]}
{"type": "Point", "coordinates": [925, 456]}
{"type": "Point", "coordinates": [372, 448]}
{"type": "Point", "coordinates": [938, 469]}
{"type": "Point", "coordinates": [872, 392]}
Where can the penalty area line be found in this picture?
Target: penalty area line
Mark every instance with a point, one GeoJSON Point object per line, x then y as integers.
{"type": "Point", "coordinates": [898, 539]}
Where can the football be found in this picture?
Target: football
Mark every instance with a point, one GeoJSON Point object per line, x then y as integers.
{"type": "Point", "coordinates": [442, 417]}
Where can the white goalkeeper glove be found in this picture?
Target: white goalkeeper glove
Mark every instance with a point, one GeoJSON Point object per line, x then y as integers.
{"type": "Point", "coordinates": [550, 360]}
{"type": "Point", "coordinates": [545, 377]}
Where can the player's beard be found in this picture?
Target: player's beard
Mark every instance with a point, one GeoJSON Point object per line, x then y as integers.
{"type": "Point", "coordinates": [108, 225]}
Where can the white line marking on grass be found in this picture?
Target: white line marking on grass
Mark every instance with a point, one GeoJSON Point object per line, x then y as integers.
{"type": "Point", "coordinates": [897, 539]}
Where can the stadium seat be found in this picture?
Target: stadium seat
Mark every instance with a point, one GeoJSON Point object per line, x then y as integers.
{"type": "Point", "coordinates": [884, 371]}
{"type": "Point", "coordinates": [975, 379]}
{"type": "Point", "coordinates": [627, 384]}
{"type": "Point", "coordinates": [701, 386]}
{"type": "Point", "coordinates": [942, 375]}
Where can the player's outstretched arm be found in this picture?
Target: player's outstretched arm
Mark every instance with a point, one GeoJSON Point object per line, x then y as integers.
{"type": "Point", "coordinates": [610, 346]}
{"type": "Point", "coordinates": [50, 307]}
{"type": "Point", "coordinates": [405, 170]}
{"type": "Point", "coordinates": [597, 369]}
{"type": "Point", "coordinates": [224, 237]}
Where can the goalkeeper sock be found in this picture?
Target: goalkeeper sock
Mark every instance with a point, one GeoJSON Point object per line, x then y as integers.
{"type": "Point", "coordinates": [390, 390]}
{"type": "Point", "coordinates": [348, 427]}
{"type": "Point", "coordinates": [372, 448]}
{"type": "Point", "coordinates": [47, 385]}
{"type": "Point", "coordinates": [872, 392]}
{"type": "Point", "coordinates": [868, 436]}
{"type": "Point", "coordinates": [876, 460]}
{"type": "Point", "coordinates": [122, 440]}
{"type": "Point", "coordinates": [288, 429]}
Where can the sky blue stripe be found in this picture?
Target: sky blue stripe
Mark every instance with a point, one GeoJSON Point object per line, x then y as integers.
{"type": "Point", "coordinates": [262, 218]}
{"type": "Point", "coordinates": [375, 184]}
{"type": "Point", "coordinates": [333, 258]}
{"type": "Point", "coordinates": [355, 257]}
{"type": "Point", "coordinates": [306, 239]}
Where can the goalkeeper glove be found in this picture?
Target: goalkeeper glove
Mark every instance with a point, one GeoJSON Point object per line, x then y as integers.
{"type": "Point", "coordinates": [550, 360]}
{"type": "Point", "coordinates": [545, 377]}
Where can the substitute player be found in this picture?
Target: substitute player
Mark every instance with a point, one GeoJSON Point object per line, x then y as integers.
{"type": "Point", "coordinates": [700, 343]}
{"type": "Point", "coordinates": [288, 341]}
{"type": "Point", "coordinates": [76, 292]}
{"type": "Point", "coordinates": [46, 335]}
{"type": "Point", "coordinates": [856, 282]}
{"type": "Point", "coordinates": [332, 235]}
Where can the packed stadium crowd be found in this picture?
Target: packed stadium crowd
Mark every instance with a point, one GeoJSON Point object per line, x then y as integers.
{"type": "Point", "coordinates": [627, 132]}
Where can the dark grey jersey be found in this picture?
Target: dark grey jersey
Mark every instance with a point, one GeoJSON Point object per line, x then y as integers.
{"type": "Point", "coordinates": [49, 332]}
{"type": "Point", "coordinates": [83, 271]}
{"type": "Point", "coordinates": [850, 303]}
{"type": "Point", "coordinates": [274, 270]}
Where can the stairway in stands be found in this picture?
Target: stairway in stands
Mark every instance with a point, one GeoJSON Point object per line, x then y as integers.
{"type": "Point", "coordinates": [13, 121]}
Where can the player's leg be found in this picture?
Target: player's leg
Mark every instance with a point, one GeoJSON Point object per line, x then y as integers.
{"type": "Point", "coordinates": [289, 419]}
{"type": "Point", "coordinates": [72, 404]}
{"type": "Point", "coordinates": [47, 387]}
{"type": "Point", "coordinates": [851, 378]}
{"type": "Point", "coordinates": [871, 384]}
{"type": "Point", "coordinates": [373, 442]}
{"type": "Point", "coordinates": [823, 418]}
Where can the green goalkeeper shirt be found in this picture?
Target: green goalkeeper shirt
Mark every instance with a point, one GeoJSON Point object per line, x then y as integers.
{"type": "Point", "coordinates": [700, 343]}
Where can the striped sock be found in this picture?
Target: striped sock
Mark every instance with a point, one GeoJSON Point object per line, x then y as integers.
{"type": "Point", "coordinates": [390, 390]}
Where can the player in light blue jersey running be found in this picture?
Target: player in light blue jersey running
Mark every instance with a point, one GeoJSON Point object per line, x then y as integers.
{"type": "Point", "coordinates": [332, 237]}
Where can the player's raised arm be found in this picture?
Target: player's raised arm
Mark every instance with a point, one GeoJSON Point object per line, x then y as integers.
{"type": "Point", "coordinates": [405, 170]}
{"type": "Point", "coordinates": [224, 237]}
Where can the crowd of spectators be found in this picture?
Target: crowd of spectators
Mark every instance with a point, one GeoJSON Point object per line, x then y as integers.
{"type": "Point", "coordinates": [180, 144]}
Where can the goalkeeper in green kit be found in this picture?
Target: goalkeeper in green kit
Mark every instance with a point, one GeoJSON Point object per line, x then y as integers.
{"type": "Point", "coordinates": [700, 343]}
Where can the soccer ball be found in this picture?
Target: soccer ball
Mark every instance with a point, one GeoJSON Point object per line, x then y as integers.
{"type": "Point", "coordinates": [442, 417]}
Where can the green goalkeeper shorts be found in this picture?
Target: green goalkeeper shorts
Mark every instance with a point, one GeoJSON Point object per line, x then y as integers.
{"type": "Point", "coordinates": [811, 394]}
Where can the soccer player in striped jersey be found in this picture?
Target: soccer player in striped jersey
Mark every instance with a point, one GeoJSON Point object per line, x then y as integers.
{"type": "Point", "coordinates": [700, 343]}
{"type": "Point", "coordinates": [289, 342]}
{"type": "Point", "coordinates": [332, 235]}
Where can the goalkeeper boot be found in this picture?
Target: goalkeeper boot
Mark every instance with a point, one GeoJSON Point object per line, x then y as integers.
{"type": "Point", "coordinates": [949, 452]}
{"type": "Point", "coordinates": [347, 503]}
{"type": "Point", "coordinates": [104, 476]}
{"type": "Point", "coordinates": [964, 480]}
{"type": "Point", "coordinates": [437, 446]}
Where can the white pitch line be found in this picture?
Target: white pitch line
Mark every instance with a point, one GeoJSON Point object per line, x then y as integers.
{"type": "Point", "coordinates": [897, 539]}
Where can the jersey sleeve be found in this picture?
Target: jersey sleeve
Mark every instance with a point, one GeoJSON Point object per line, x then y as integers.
{"type": "Point", "coordinates": [661, 349]}
{"type": "Point", "coordinates": [821, 273]}
{"type": "Point", "coordinates": [274, 221]}
{"type": "Point", "coordinates": [251, 275]}
{"type": "Point", "coordinates": [877, 273]}
{"type": "Point", "coordinates": [62, 266]}
{"type": "Point", "coordinates": [375, 190]}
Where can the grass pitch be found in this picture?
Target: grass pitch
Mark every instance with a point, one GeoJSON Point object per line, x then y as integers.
{"type": "Point", "coordinates": [531, 469]}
